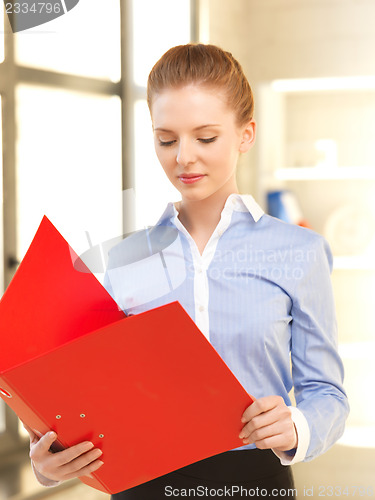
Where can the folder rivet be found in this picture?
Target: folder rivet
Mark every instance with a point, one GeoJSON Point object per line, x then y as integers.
{"type": "Point", "coordinates": [82, 415]}
{"type": "Point", "coordinates": [101, 435]}
{"type": "Point", "coordinates": [58, 416]}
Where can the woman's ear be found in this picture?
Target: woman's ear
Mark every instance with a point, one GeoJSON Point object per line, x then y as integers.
{"type": "Point", "coordinates": [248, 136]}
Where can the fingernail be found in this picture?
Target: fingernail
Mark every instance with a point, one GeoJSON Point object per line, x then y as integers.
{"type": "Point", "coordinates": [241, 435]}
{"type": "Point", "coordinates": [53, 435]}
{"type": "Point", "coordinates": [98, 452]}
{"type": "Point", "coordinates": [101, 463]}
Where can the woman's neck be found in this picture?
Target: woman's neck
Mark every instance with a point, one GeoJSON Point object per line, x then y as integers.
{"type": "Point", "coordinates": [201, 217]}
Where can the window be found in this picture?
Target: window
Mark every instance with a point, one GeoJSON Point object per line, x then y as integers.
{"type": "Point", "coordinates": [61, 94]}
{"type": "Point", "coordinates": [85, 42]}
{"type": "Point", "coordinates": [166, 23]}
{"type": "Point", "coordinates": [66, 99]}
{"type": "Point", "coordinates": [69, 166]}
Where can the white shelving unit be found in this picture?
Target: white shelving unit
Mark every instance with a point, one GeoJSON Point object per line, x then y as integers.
{"type": "Point", "coordinates": [323, 173]}
{"type": "Point", "coordinates": [315, 138]}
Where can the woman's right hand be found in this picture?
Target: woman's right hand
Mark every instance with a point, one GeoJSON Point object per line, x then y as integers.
{"type": "Point", "coordinates": [76, 461]}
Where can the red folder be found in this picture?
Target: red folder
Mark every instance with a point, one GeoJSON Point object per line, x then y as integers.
{"type": "Point", "coordinates": [149, 389]}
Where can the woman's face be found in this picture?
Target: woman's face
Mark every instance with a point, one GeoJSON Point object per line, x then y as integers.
{"type": "Point", "coordinates": [197, 141]}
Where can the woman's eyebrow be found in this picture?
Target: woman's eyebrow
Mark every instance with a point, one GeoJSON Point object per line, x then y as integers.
{"type": "Point", "coordinates": [207, 126]}
{"type": "Point", "coordinates": [200, 127]}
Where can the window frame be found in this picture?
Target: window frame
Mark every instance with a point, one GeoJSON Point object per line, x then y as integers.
{"type": "Point", "coordinates": [12, 74]}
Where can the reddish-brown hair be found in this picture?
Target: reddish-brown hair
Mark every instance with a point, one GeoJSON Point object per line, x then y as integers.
{"type": "Point", "coordinates": [206, 65]}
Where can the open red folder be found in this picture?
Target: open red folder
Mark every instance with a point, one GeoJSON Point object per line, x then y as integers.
{"type": "Point", "coordinates": [149, 389]}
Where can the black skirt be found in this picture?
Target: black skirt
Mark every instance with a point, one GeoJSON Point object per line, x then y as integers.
{"type": "Point", "coordinates": [233, 474]}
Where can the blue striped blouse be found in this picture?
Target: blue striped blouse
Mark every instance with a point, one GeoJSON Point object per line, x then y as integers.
{"type": "Point", "coordinates": [261, 293]}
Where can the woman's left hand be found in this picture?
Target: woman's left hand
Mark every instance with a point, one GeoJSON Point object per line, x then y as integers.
{"type": "Point", "coordinates": [268, 424]}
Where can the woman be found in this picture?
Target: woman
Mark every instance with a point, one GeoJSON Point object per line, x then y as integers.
{"type": "Point", "coordinates": [258, 288]}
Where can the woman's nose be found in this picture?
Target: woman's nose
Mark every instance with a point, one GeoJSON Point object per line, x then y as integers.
{"type": "Point", "coordinates": [185, 153]}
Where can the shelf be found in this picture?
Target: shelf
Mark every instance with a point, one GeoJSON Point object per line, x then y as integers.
{"type": "Point", "coordinates": [324, 84]}
{"type": "Point", "coordinates": [319, 173]}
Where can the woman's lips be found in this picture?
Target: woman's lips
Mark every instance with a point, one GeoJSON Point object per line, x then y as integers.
{"type": "Point", "coordinates": [190, 178]}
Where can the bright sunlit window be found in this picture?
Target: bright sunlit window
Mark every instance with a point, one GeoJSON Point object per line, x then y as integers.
{"type": "Point", "coordinates": [69, 166]}
{"type": "Point", "coordinates": [157, 27]}
{"type": "Point", "coordinates": [63, 133]}
{"type": "Point", "coordinates": [85, 41]}
{"type": "Point", "coordinates": [166, 24]}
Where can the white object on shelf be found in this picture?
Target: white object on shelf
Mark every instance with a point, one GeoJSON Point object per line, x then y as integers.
{"type": "Point", "coordinates": [329, 149]}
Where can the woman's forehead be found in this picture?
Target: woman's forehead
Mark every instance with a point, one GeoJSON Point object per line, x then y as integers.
{"type": "Point", "coordinates": [185, 103]}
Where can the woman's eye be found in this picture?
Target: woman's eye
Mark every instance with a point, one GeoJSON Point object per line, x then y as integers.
{"type": "Point", "coordinates": [166, 143]}
{"type": "Point", "coordinates": [207, 141]}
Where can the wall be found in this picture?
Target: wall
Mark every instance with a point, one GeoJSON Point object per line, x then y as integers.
{"type": "Point", "coordinates": [276, 39]}
{"type": "Point", "coordinates": [293, 39]}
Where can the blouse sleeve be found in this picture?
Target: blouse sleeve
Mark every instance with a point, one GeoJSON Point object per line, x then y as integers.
{"type": "Point", "coordinates": [44, 481]}
{"type": "Point", "coordinates": [316, 365]}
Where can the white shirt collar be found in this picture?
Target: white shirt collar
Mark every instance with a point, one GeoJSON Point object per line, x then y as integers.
{"type": "Point", "coordinates": [244, 203]}
{"type": "Point", "coordinates": [235, 202]}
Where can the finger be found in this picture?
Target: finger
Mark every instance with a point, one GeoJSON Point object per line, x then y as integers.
{"type": "Point", "coordinates": [86, 471]}
{"type": "Point", "coordinates": [264, 432]}
{"type": "Point", "coordinates": [43, 445]}
{"type": "Point", "coordinates": [261, 405]}
{"type": "Point", "coordinates": [60, 466]}
{"type": "Point", "coordinates": [282, 433]}
{"type": "Point", "coordinates": [277, 442]}
{"type": "Point", "coordinates": [70, 454]}
{"type": "Point", "coordinates": [265, 419]}
{"type": "Point", "coordinates": [81, 462]}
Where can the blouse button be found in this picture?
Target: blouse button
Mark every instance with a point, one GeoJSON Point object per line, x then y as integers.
{"type": "Point", "coordinates": [201, 308]}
